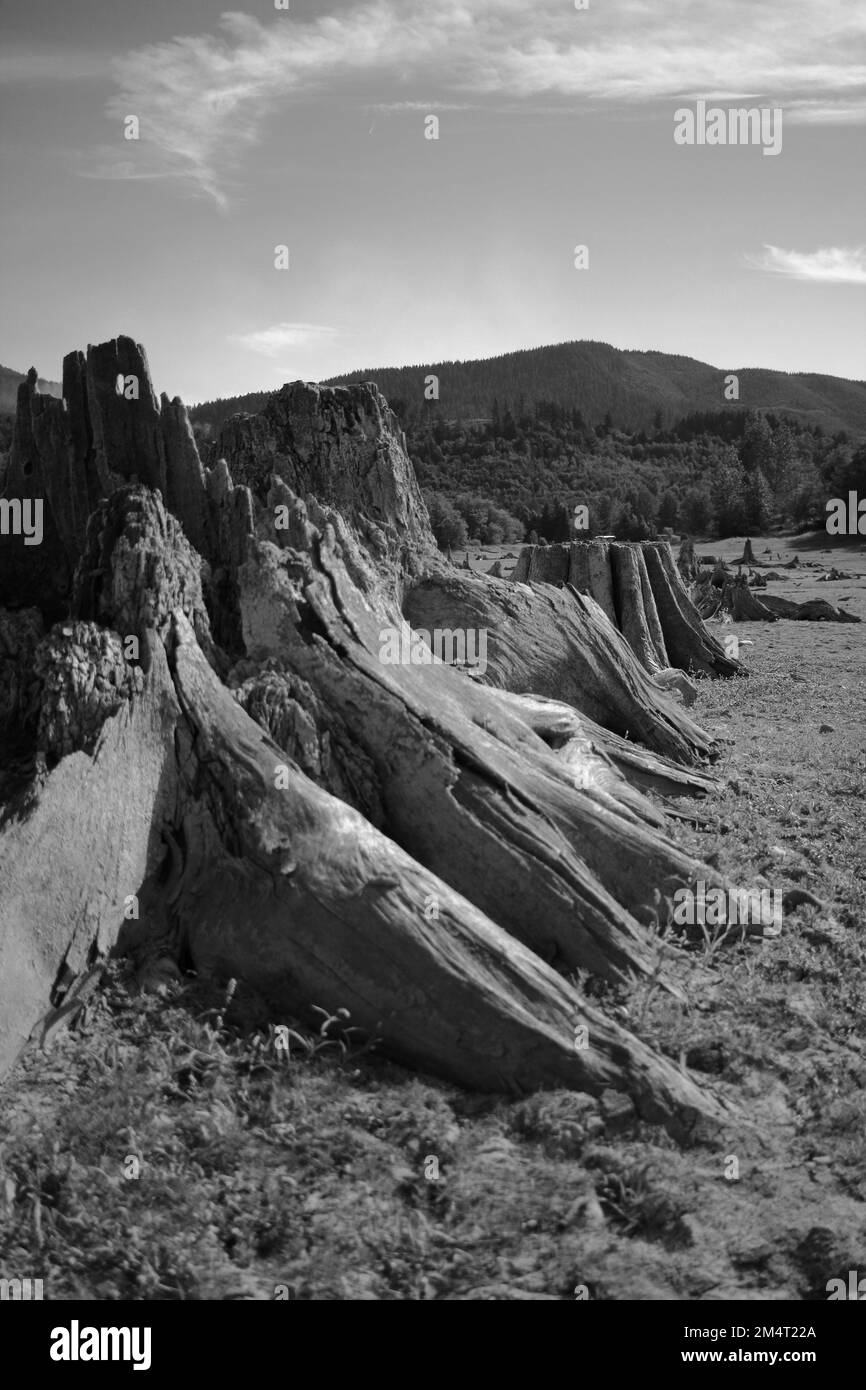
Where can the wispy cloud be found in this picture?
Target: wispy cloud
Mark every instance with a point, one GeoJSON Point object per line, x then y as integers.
{"type": "Point", "coordinates": [104, 162]}
{"type": "Point", "coordinates": [398, 108]}
{"type": "Point", "coordinates": [203, 100]}
{"type": "Point", "coordinates": [841, 265]}
{"type": "Point", "coordinates": [270, 342]}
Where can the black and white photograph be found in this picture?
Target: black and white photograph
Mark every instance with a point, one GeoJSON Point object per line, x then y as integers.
{"type": "Point", "coordinates": [433, 667]}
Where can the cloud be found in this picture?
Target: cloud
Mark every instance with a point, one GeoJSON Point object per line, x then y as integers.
{"type": "Point", "coordinates": [849, 112]}
{"type": "Point", "coordinates": [204, 99]}
{"type": "Point", "coordinates": [270, 342]}
{"type": "Point", "coordinates": [397, 108]}
{"type": "Point", "coordinates": [838, 265]}
{"type": "Point", "coordinates": [104, 162]}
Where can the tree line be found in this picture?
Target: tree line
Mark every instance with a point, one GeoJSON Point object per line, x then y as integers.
{"type": "Point", "coordinates": [710, 474]}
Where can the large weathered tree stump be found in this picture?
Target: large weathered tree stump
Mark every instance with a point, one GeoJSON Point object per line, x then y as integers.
{"type": "Point", "coordinates": [642, 594]}
{"type": "Point", "coordinates": [435, 850]}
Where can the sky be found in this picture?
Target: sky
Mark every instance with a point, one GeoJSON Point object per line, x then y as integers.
{"type": "Point", "coordinates": [306, 127]}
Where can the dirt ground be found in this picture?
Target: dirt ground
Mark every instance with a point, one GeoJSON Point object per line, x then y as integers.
{"type": "Point", "coordinates": [162, 1150]}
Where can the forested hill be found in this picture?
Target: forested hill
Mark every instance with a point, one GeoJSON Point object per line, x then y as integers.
{"type": "Point", "coordinates": [634, 389]}
{"type": "Point", "coordinates": [627, 390]}
{"type": "Point", "coordinates": [514, 443]}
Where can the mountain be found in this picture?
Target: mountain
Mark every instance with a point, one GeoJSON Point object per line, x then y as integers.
{"type": "Point", "coordinates": [631, 386]}
{"type": "Point", "coordinates": [643, 439]}
{"type": "Point", "coordinates": [597, 380]}
{"type": "Point", "coordinates": [594, 378]}
{"type": "Point", "coordinates": [9, 383]}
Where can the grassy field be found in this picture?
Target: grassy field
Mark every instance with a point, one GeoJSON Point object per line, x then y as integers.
{"type": "Point", "coordinates": [163, 1150]}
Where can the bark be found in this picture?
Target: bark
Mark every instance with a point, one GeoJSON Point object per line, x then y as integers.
{"type": "Point", "coordinates": [642, 633]}
{"type": "Point", "coordinates": [689, 643]}
{"type": "Point", "coordinates": [590, 572]}
{"type": "Point", "coordinates": [639, 620]}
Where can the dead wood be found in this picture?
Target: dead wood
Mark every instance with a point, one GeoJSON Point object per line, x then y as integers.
{"type": "Point", "coordinates": [282, 800]}
{"type": "Point", "coordinates": [559, 643]}
{"type": "Point", "coordinates": [814, 610]}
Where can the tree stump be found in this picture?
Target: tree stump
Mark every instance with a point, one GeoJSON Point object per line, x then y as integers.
{"type": "Point", "coordinates": [324, 805]}
{"type": "Point", "coordinates": [687, 562]}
